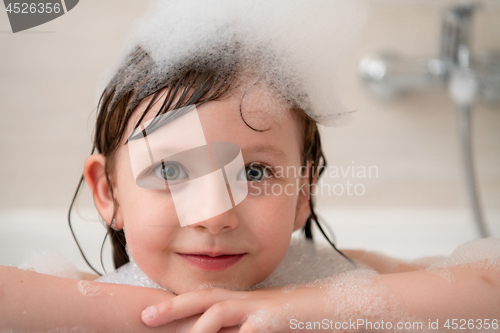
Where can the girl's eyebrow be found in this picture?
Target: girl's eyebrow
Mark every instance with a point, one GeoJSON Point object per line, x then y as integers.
{"type": "Point", "coordinates": [268, 149]}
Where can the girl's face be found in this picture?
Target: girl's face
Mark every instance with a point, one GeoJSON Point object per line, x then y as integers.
{"type": "Point", "coordinates": [236, 249]}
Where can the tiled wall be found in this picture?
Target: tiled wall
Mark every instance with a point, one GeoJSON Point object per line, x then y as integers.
{"type": "Point", "coordinates": [414, 139]}
{"type": "Point", "coordinates": [47, 96]}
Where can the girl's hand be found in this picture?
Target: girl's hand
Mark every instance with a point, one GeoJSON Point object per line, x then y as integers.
{"type": "Point", "coordinates": [262, 310]}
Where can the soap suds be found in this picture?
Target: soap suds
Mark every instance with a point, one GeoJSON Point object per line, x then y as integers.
{"type": "Point", "coordinates": [289, 288]}
{"type": "Point", "coordinates": [305, 262]}
{"type": "Point", "coordinates": [88, 288]}
{"type": "Point", "coordinates": [357, 295]}
{"type": "Point", "coordinates": [445, 273]}
{"type": "Point", "coordinates": [29, 269]}
{"type": "Point", "coordinates": [270, 320]}
{"type": "Point", "coordinates": [294, 46]}
{"type": "Point", "coordinates": [479, 253]}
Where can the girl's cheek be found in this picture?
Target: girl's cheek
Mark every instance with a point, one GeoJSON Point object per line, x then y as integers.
{"type": "Point", "coordinates": [148, 247]}
{"type": "Point", "coordinates": [153, 208]}
{"type": "Point", "coordinates": [149, 229]}
{"type": "Point", "coordinates": [268, 215]}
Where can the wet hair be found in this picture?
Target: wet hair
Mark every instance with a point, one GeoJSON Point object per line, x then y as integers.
{"type": "Point", "coordinates": [193, 83]}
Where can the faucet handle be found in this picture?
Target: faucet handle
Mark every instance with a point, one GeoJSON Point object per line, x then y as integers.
{"type": "Point", "coordinates": [455, 37]}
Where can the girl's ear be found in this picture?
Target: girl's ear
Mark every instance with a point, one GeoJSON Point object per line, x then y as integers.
{"type": "Point", "coordinates": [303, 209]}
{"type": "Point", "coordinates": [95, 177]}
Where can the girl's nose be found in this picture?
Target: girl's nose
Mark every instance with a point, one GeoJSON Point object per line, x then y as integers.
{"type": "Point", "coordinates": [220, 223]}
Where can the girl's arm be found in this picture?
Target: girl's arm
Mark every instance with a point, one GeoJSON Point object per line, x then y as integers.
{"type": "Point", "coordinates": [467, 291]}
{"type": "Point", "coordinates": [457, 295]}
{"type": "Point", "coordinates": [452, 293]}
{"type": "Point", "coordinates": [419, 298]}
{"type": "Point", "coordinates": [31, 301]}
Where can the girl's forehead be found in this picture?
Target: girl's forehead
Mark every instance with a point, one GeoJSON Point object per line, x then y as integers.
{"type": "Point", "coordinates": [252, 104]}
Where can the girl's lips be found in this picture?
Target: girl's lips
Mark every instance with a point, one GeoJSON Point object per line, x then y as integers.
{"type": "Point", "coordinates": [211, 263]}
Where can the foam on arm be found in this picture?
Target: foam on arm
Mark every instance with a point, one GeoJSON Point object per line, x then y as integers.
{"type": "Point", "coordinates": [465, 285]}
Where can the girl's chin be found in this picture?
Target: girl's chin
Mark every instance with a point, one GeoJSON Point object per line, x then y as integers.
{"type": "Point", "coordinates": [200, 285]}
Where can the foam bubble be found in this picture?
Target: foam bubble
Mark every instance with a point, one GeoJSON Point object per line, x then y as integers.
{"type": "Point", "coordinates": [350, 288]}
{"type": "Point", "coordinates": [270, 320]}
{"type": "Point", "coordinates": [129, 274]}
{"type": "Point", "coordinates": [150, 312]}
{"type": "Point", "coordinates": [88, 288]}
{"type": "Point", "coordinates": [289, 288]}
{"type": "Point", "coordinates": [305, 262]}
{"type": "Point", "coordinates": [70, 330]}
{"type": "Point", "coordinates": [357, 295]}
{"type": "Point", "coordinates": [480, 253]}
{"type": "Point", "coordinates": [445, 273]}
{"type": "Point", "coordinates": [294, 45]}
{"type": "Point", "coordinates": [29, 269]}
{"type": "Point", "coordinates": [349, 296]}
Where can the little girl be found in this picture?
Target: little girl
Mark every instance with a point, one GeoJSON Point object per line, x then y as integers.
{"type": "Point", "coordinates": [206, 147]}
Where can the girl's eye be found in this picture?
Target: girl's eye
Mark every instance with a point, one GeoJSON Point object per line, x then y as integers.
{"type": "Point", "coordinates": [170, 171]}
{"type": "Point", "coordinates": [255, 172]}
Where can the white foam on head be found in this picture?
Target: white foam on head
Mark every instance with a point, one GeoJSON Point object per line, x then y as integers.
{"type": "Point", "coordinates": [294, 45]}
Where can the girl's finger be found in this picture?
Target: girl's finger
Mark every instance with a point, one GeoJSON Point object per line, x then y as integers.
{"type": "Point", "coordinates": [247, 328]}
{"type": "Point", "coordinates": [235, 329]}
{"type": "Point", "coordinates": [185, 305]}
{"type": "Point", "coordinates": [223, 314]}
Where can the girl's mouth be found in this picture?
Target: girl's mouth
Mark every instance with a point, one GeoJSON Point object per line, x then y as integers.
{"type": "Point", "coordinates": [211, 262]}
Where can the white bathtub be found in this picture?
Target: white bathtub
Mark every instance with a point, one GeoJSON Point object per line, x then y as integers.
{"type": "Point", "coordinates": [405, 234]}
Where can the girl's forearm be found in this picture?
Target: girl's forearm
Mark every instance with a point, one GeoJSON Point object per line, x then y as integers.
{"type": "Point", "coordinates": [452, 293]}
{"type": "Point", "coordinates": [458, 292]}
{"type": "Point", "coordinates": [36, 302]}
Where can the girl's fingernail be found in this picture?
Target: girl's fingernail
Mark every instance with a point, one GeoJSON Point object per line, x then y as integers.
{"type": "Point", "coordinates": [150, 312]}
